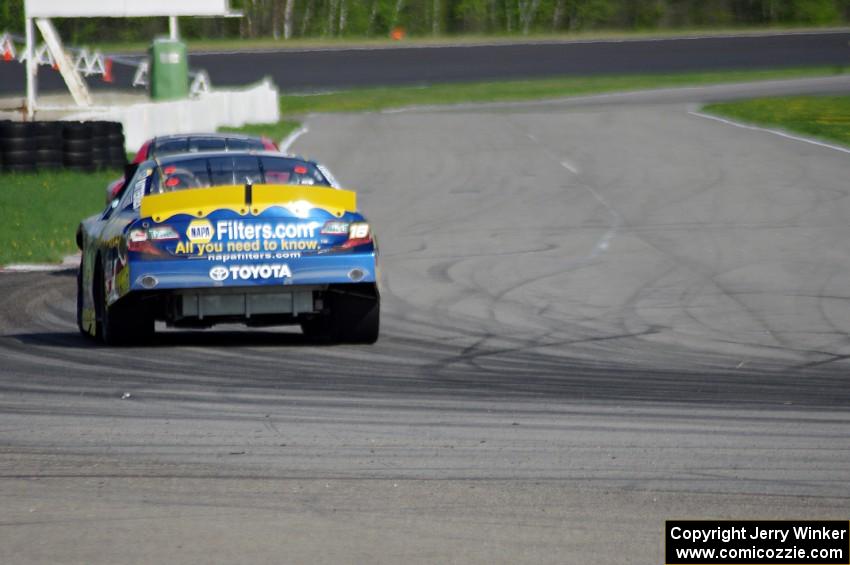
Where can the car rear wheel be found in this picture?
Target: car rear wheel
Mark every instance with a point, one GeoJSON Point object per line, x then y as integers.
{"type": "Point", "coordinates": [317, 328]}
{"type": "Point", "coordinates": [124, 322]}
{"type": "Point", "coordinates": [351, 318]}
{"type": "Point", "coordinates": [357, 318]}
{"type": "Point", "coordinates": [80, 302]}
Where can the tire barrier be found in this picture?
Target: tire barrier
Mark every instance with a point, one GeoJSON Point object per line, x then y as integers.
{"type": "Point", "coordinates": [79, 146]}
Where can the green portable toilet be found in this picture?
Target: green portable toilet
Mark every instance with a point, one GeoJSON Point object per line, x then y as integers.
{"type": "Point", "coordinates": [169, 70]}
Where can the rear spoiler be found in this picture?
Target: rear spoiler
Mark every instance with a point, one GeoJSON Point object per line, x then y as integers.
{"type": "Point", "coordinates": [245, 200]}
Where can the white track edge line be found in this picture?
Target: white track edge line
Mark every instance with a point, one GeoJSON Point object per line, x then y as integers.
{"type": "Point", "coordinates": [69, 262]}
{"type": "Point", "coordinates": [287, 141]}
{"type": "Point", "coordinates": [776, 132]}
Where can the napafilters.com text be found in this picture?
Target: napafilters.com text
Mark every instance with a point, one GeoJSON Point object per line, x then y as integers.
{"type": "Point", "coordinates": [725, 535]}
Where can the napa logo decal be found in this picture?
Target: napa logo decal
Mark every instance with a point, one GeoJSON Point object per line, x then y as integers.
{"type": "Point", "coordinates": [200, 231]}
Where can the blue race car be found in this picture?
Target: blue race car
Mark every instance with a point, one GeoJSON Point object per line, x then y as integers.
{"type": "Point", "coordinates": [204, 238]}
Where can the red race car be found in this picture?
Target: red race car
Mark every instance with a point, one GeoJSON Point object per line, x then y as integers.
{"type": "Point", "coordinates": [191, 143]}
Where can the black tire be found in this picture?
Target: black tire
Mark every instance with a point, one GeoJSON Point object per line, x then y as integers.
{"type": "Point", "coordinates": [99, 159]}
{"type": "Point", "coordinates": [100, 152]}
{"type": "Point", "coordinates": [100, 129]}
{"type": "Point", "coordinates": [356, 319]}
{"type": "Point", "coordinates": [47, 129]}
{"type": "Point", "coordinates": [97, 293]}
{"type": "Point", "coordinates": [352, 315]}
{"type": "Point", "coordinates": [15, 129]}
{"type": "Point", "coordinates": [318, 328]}
{"type": "Point", "coordinates": [19, 157]}
{"type": "Point", "coordinates": [114, 328]}
{"type": "Point", "coordinates": [124, 322]}
{"type": "Point", "coordinates": [77, 130]}
{"type": "Point", "coordinates": [18, 143]}
{"type": "Point", "coordinates": [117, 155]}
{"type": "Point", "coordinates": [55, 143]}
{"type": "Point", "coordinates": [44, 155]}
{"type": "Point", "coordinates": [19, 167]}
{"type": "Point", "coordinates": [49, 165]}
{"type": "Point", "coordinates": [72, 159]}
{"type": "Point", "coordinates": [80, 302]}
{"type": "Point", "coordinates": [77, 145]}
{"type": "Point", "coordinates": [115, 129]}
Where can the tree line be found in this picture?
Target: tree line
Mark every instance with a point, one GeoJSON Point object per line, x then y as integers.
{"type": "Point", "coordinates": [285, 19]}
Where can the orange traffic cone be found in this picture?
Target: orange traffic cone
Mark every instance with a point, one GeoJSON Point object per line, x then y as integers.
{"type": "Point", "coordinates": [8, 48]}
{"type": "Point", "coordinates": [107, 70]}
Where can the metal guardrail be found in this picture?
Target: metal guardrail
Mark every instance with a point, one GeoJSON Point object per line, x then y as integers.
{"type": "Point", "coordinates": [92, 63]}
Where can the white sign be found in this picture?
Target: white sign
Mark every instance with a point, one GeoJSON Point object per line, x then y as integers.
{"type": "Point", "coordinates": [125, 8]}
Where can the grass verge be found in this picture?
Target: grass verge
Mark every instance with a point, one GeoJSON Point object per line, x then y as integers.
{"type": "Point", "coordinates": [826, 117]}
{"type": "Point", "coordinates": [41, 211]}
{"type": "Point", "coordinates": [371, 99]}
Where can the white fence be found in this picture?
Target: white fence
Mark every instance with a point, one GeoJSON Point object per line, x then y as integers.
{"type": "Point", "coordinates": [257, 104]}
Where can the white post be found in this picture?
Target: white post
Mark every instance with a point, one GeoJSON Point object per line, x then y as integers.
{"type": "Point", "coordinates": [32, 69]}
{"type": "Point", "coordinates": [173, 30]}
{"type": "Point", "coordinates": [76, 85]}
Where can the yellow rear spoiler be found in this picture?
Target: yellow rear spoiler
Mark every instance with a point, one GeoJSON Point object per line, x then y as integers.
{"type": "Point", "coordinates": [244, 200]}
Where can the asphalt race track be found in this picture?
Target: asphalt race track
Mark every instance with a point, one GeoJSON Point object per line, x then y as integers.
{"type": "Point", "coordinates": [322, 69]}
{"type": "Point", "coordinates": [598, 314]}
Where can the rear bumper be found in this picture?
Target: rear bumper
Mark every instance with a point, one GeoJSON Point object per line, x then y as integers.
{"type": "Point", "coordinates": [245, 303]}
{"type": "Point", "coordinates": [251, 305]}
{"type": "Point", "coordinates": [205, 274]}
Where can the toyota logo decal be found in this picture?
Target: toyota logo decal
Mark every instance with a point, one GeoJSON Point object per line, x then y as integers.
{"type": "Point", "coordinates": [219, 273]}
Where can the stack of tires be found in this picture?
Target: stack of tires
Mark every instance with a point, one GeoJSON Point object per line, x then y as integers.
{"type": "Point", "coordinates": [17, 146]}
{"type": "Point", "coordinates": [108, 145]}
{"type": "Point", "coordinates": [80, 146]}
{"type": "Point", "coordinates": [77, 154]}
{"type": "Point", "coordinates": [48, 145]}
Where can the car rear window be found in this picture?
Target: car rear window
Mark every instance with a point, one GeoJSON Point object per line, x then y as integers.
{"type": "Point", "coordinates": [202, 172]}
{"type": "Point", "coordinates": [198, 144]}
{"type": "Point", "coordinates": [244, 144]}
{"type": "Point", "coordinates": [162, 147]}
{"type": "Point", "coordinates": [206, 144]}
